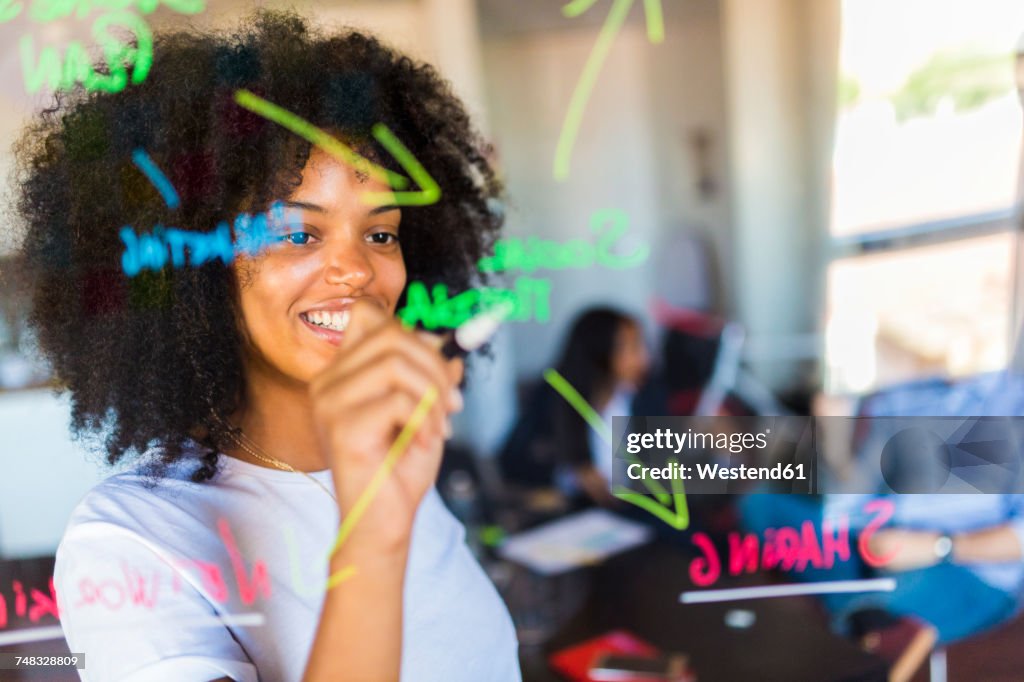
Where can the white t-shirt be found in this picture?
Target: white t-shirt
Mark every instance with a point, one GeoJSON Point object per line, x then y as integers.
{"type": "Point", "coordinates": [619, 405]}
{"type": "Point", "coordinates": [196, 581]}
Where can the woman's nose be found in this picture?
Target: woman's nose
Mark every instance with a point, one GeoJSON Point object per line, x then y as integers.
{"type": "Point", "coordinates": [347, 264]}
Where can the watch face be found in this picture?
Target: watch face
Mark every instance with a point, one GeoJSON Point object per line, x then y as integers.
{"type": "Point", "coordinates": [943, 546]}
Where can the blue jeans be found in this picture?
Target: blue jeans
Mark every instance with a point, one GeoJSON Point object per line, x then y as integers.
{"type": "Point", "coordinates": [948, 596]}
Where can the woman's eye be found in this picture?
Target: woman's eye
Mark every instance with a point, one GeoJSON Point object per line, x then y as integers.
{"type": "Point", "coordinates": [297, 237]}
{"type": "Point", "coordinates": [384, 238]}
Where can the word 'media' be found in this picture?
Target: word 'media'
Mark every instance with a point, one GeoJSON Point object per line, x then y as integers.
{"type": "Point", "coordinates": [791, 549]}
{"type": "Point", "coordinates": [534, 253]}
{"type": "Point", "coordinates": [49, 69]}
{"type": "Point", "coordinates": [667, 440]}
{"type": "Point", "coordinates": [529, 298]}
{"type": "Point", "coordinates": [154, 250]}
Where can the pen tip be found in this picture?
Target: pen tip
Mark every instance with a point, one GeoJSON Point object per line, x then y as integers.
{"type": "Point", "coordinates": [482, 327]}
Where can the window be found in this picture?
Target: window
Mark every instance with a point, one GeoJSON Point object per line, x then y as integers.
{"type": "Point", "coordinates": [925, 175]}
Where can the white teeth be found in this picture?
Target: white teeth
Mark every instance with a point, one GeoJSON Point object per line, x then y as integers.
{"type": "Point", "coordinates": [335, 321]}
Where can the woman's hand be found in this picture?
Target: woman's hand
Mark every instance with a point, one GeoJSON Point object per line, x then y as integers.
{"type": "Point", "coordinates": [360, 404]}
{"type": "Point", "coordinates": [596, 486]}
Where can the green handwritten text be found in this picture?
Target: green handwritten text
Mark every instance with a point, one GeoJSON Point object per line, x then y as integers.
{"type": "Point", "coordinates": [9, 9]}
{"type": "Point", "coordinates": [48, 69]}
{"type": "Point", "coordinates": [434, 309]}
{"type": "Point", "coordinates": [51, 10]}
{"type": "Point", "coordinates": [534, 253]}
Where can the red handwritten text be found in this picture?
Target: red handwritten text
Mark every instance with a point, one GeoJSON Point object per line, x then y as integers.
{"type": "Point", "coordinates": [790, 549]}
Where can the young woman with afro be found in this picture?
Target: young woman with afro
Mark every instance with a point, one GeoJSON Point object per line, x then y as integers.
{"type": "Point", "coordinates": [253, 401]}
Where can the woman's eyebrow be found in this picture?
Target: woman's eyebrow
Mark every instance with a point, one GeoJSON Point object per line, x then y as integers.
{"type": "Point", "coordinates": [304, 206]}
{"type": "Point", "coordinates": [384, 209]}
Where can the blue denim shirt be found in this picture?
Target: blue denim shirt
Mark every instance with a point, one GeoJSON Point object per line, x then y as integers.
{"type": "Point", "coordinates": [999, 394]}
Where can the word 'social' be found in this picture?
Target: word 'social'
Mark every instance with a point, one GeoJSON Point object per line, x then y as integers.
{"type": "Point", "coordinates": [534, 253]}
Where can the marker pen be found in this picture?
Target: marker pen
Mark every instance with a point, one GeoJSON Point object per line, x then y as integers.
{"type": "Point", "coordinates": [475, 332]}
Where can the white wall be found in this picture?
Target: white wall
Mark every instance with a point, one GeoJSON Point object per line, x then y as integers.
{"type": "Point", "coordinates": [781, 66]}
{"type": "Point", "coordinates": [689, 94]}
{"type": "Point", "coordinates": [631, 152]}
{"type": "Point", "coordinates": [530, 80]}
{"type": "Point", "coordinates": [45, 474]}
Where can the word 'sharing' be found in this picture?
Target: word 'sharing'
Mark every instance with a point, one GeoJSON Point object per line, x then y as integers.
{"type": "Point", "coordinates": [790, 549]}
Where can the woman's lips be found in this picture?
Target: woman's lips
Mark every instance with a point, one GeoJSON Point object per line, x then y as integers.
{"type": "Point", "coordinates": [328, 335]}
{"type": "Point", "coordinates": [332, 336]}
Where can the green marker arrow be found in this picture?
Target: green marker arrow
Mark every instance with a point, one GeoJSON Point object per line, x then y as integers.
{"type": "Point", "coordinates": [679, 516]}
{"type": "Point", "coordinates": [430, 191]}
{"type": "Point", "coordinates": [581, 95]}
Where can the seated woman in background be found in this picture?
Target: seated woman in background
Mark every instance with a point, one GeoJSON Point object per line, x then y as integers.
{"type": "Point", "coordinates": [259, 394]}
{"type": "Point", "coordinates": [606, 360]}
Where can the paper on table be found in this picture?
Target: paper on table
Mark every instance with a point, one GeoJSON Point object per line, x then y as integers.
{"type": "Point", "coordinates": [580, 539]}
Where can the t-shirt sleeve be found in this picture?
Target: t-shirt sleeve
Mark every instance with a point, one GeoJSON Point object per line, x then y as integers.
{"type": "Point", "coordinates": [137, 615]}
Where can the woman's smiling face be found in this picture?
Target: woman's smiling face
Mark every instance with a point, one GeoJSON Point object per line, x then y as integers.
{"type": "Point", "coordinates": [296, 294]}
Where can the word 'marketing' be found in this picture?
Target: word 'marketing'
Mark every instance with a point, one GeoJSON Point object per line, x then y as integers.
{"type": "Point", "coordinates": [253, 233]}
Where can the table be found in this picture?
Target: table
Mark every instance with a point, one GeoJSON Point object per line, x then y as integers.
{"type": "Point", "coordinates": [639, 591]}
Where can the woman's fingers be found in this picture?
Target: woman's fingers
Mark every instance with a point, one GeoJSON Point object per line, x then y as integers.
{"type": "Point", "coordinates": [371, 427]}
{"type": "Point", "coordinates": [364, 317]}
{"type": "Point", "coordinates": [372, 389]}
{"type": "Point", "coordinates": [391, 367]}
{"type": "Point", "coordinates": [385, 373]}
{"type": "Point", "coordinates": [454, 369]}
{"type": "Point", "coordinates": [378, 342]}
{"type": "Point", "coordinates": [455, 399]}
{"type": "Point", "coordinates": [374, 346]}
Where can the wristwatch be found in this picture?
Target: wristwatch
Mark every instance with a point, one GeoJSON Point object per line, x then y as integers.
{"type": "Point", "coordinates": [944, 547]}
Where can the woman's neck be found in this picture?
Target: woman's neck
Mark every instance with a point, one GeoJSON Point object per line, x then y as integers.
{"type": "Point", "coordinates": [278, 419]}
{"type": "Point", "coordinates": [602, 396]}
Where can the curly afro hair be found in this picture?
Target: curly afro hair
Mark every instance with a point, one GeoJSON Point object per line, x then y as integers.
{"type": "Point", "coordinates": [149, 360]}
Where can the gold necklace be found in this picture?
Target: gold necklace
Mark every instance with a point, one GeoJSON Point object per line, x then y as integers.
{"type": "Point", "coordinates": [251, 448]}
